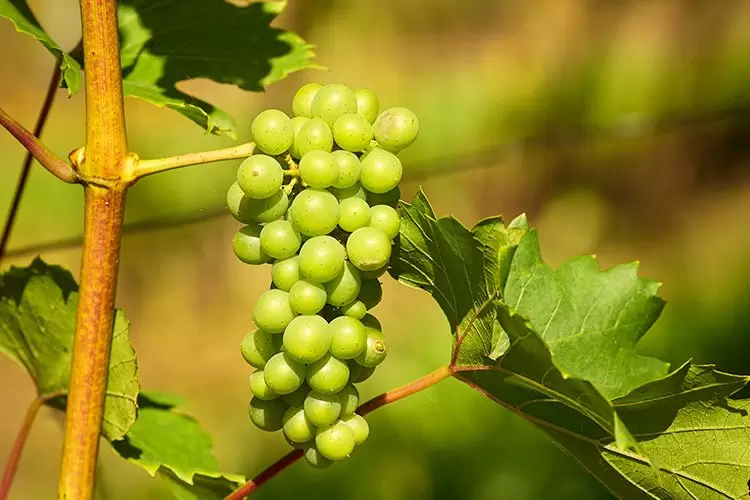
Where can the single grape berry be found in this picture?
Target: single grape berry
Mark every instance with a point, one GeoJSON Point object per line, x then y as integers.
{"type": "Point", "coordinates": [332, 101]}
{"type": "Point", "coordinates": [345, 287]}
{"type": "Point", "coordinates": [367, 104]}
{"type": "Point", "coordinates": [267, 415]}
{"type": "Point", "coordinates": [322, 409]}
{"type": "Point", "coordinates": [303, 99]}
{"type": "Point", "coordinates": [349, 168]}
{"type": "Point", "coordinates": [297, 398]}
{"type": "Point", "coordinates": [376, 349]}
{"type": "Point", "coordinates": [321, 259]}
{"type": "Point", "coordinates": [285, 273]}
{"type": "Point", "coordinates": [318, 169]}
{"type": "Point", "coordinates": [381, 171]}
{"type": "Point", "coordinates": [272, 311]}
{"type": "Point", "coordinates": [327, 375]}
{"type": "Point", "coordinates": [314, 134]}
{"type": "Point", "coordinates": [307, 297]}
{"type": "Point", "coordinates": [370, 293]}
{"type": "Point", "coordinates": [268, 209]}
{"type": "Point", "coordinates": [389, 198]}
{"type": "Point", "coordinates": [372, 322]}
{"type": "Point", "coordinates": [258, 346]}
{"type": "Point", "coordinates": [386, 219]}
{"type": "Point", "coordinates": [297, 428]}
{"type": "Point", "coordinates": [297, 123]}
{"type": "Point", "coordinates": [359, 427]}
{"type": "Point", "coordinates": [237, 202]}
{"type": "Point", "coordinates": [259, 388]}
{"type": "Point", "coordinates": [279, 239]}
{"type": "Point", "coordinates": [316, 459]}
{"type": "Point", "coordinates": [368, 248]}
{"type": "Point", "coordinates": [352, 132]}
{"type": "Point", "coordinates": [247, 247]}
{"type": "Point", "coordinates": [356, 309]}
{"type": "Point", "coordinates": [354, 191]}
{"type": "Point", "coordinates": [272, 131]}
{"type": "Point", "coordinates": [314, 212]}
{"type": "Point", "coordinates": [307, 338]}
{"type": "Point", "coordinates": [349, 399]}
{"type": "Point", "coordinates": [353, 214]}
{"type": "Point", "coordinates": [260, 176]}
{"type": "Point", "coordinates": [359, 373]}
{"type": "Point", "coordinates": [348, 337]}
{"type": "Point", "coordinates": [396, 129]}
{"type": "Point", "coordinates": [283, 374]}
{"type": "Point", "coordinates": [335, 442]}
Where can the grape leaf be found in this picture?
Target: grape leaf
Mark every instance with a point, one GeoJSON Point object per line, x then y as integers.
{"type": "Point", "coordinates": [37, 321]}
{"type": "Point", "coordinates": [172, 445]}
{"type": "Point", "coordinates": [18, 12]}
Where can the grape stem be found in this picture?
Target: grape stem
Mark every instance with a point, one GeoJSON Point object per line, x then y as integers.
{"type": "Point", "coordinates": [391, 396]}
{"type": "Point", "coordinates": [289, 187]}
{"type": "Point", "coordinates": [142, 168]}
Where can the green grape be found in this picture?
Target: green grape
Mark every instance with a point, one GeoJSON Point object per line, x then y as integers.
{"type": "Point", "coordinates": [267, 415]}
{"type": "Point", "coordinates": [259, 388]}
{"type": "Point", "coordinates": [318, 169]}
{"type": "Point", "coordinates": [344, 287]}
{"type": "Point", "coordinates": [356, 309]}
{"type": "Point", "coordinates": [349, 398]}
{"type": "Point", "coordinates": [247, 247]}
{"type": "Point", "coordinates": [349, 168]}
{"type": "Point", "coordinates": [359, 427]}
{"type": "Point", "coordinates": [258, 346]}
{"type": "Point", "coordinates": [297, 428]}
{"type": "Point", "coordinates": [353, 214]}
{"type": "Point", "coordinates": [260, 176]}
{"type": "Point", "coordinates": [368, 248]}
{"type": "Point", "coordinates": [307, 297]}
{"type": "Point", "coordinates": [268, 209]}
{"type": "Point", "coordinates": [373, 275]}
{"type": "Point", "coordinates": [359, 373]}
{"type": "Point", "coordinates": [297, 123]}
{"type": "Point", "coordinates": [272, 131]}
{"type": "Point", "coordinates": [285, 273]}
{"type": "Point", "coordinates": [349, 337]}
{"type": "Point", "coordinates": [297, 398]}
{"type": "Point", "coordinates": [327, 375]}
{"type": "Point", "coordinates": [390, 198]}
{"type": "Point", "coordinates": [303, 99]}
{"type": "Point", "coordinates": [314, 212]}
{"type": "Point", "coordinates": [352, 132]}
{"type": "Point", "coordinates": [354, 191]}
{"type": "Point", "coordinates": [283, 374]}
{"type": "Point", "coordinates": [376, 349]}
{"type": "Point", "coordinates": [335, 442]}
{"type": "Point", "coordinates": [396, 128]}
{"type": "Point", "coordinates": [381, 171]}
{"type": "Point", "coordinates": [332, 101]}
{"type": "Point", "coordinates": [299, 446]}
{"type": "Point", "coordinates": [371, 321]}
{"type": "Point", "coordinates": [386, 219]}
{"type": "Point", "coordinates": [314, 134]}
{"type": "Point", "coordinates": [371, 293]}
{"type": "Point", "coordinates": [237, 202]}
{"type": "Point", "coordinates": [316, 459]}
{"type": "Point", "coordinates": [279, 239]}
{"type": "Point", "coordinates": [307, 338]}
{"type": "Point", "coordinates": [272, 311]}
{"type": "Point", "coordinates": [321, 259]}
{"type": "Point", "coordinates": [322, 409]}
{"type": "Point", "coordinates": [367, 104]}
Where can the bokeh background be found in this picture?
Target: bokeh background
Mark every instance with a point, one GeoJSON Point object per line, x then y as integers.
{"type": "Point", "coordinates": [621, 128]}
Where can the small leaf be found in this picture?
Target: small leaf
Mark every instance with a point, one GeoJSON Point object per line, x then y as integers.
{"type": "Point", "coordinates": [37, 321]}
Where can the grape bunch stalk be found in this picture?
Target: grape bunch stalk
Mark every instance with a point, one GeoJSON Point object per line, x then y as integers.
{"type": "Point", "coordinates": [317, 199]}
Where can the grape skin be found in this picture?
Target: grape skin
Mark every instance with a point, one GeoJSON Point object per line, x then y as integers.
{"type": "Point", "coordinates": [358, 426]}
{"type": "Point", "coordinates": [396, 129]}
{"type": "Point", "coordinates": [352, 132]}
{"type": "Point", "coordinates": [258, 346]}
{"type": "Point", "coordinates": [349, 398]}
{"type": "Point", "coordinates": [297, 123]}
{"type": "Point", "coordinates": [279, 239]}
{"type": "Point", "coordinates": [356, 309]}
{"type": "Point", "coordinates": [327, 375]}
{"type": "Point", "coordinates": [322, 409]}
{"type": "Point", "coordinates": [259, 388]}
{"type": "Point", "coordinates": [345, 287]}
{"type": "Point", "coordinates": [332, 101]}
{"type": "Point", "coordinates": [283, 374]}
{"type": "Point", "coordinates": [297, 428]}
{"type": "Point", "coordinates": [318, 169]}
{"type": "Point", "coordinates": [371, 293]}
{"type": "Point", "coordinates": [376, 349]}
{"type": "Point", "coordinates": [247, 247]}
{"type": "Point", "coordinates": [272, 131]}
{"type": "Point", "coordinates": [316, 459]}
{"type": "Point", "coordinates": [268, 209]}
{"type": "Point", "coordinates": [349, 168]}
{"type": "Point", "coordinates": [367, 104]}
{"type": "Point", "coordinates": [353, 214]}
{"type": "Point", "coordinates": [368, 248]}
{"type": "Point", "coordinates": [307, 338]}
{"type": "Point", "coordinates": [272, 311]}
{"type": "Point", "coordinates": [386, 219]}
{"type": "Point", "coordinates": [307, 297]}
{"type": "Point", "coordinates": [335, 442]}
{"type": "Point", "coordinates": [285, 273]}
{"type": "Point", "coordinates": [348, 337]}
{"type": "Point", "coordinates": [381, 171]}
{"type": "Point", "coordinates": [359, 373]}
{"type": "Point", "coordinates": [302, 101]}
{"type": "Point", "coordinates": [297, 397]}
{"type": "Point", "coordinates": [315, 134]}
{"type": "Point", "coordinates": [267, 415]}
{"type": "Point", "coordinates": [354, 191]}
{"type": "Point", "coordinates": [321, 259]}
{"type": "Point", "coordinates": [314, 212]}
{"type": "Point", "coordinates": [389, 198]}
{"type": "Point", "coordinates": [237, 204]}
{"type": "Point", "coordinates": [260, 176]}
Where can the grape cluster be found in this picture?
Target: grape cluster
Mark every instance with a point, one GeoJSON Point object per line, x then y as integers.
{"type": "Point", "coordinates": [318, 199]}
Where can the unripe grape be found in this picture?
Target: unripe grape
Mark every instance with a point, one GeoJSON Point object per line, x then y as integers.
{"type": "Point", "coordinates": [335, 442]}
{"type": "Point", "coordinates": [272, 131]}
{"type": "Point", "coordinates": [322, 409]}
{"type": "Point", "coordinates": [356, 309]}
{"type": "Point", "coordinates": [396, 128]}
{"type": "Point", "coordinates": [272, 311]}
{"type": "Point", "coordinates": [303, 99]}
{"type": "Point", "coordinates": [352, 132]}
{"type": "Point", "coordinates": [332, 101]}
{"type": "Point", "coordinates": [297, 428]}
{"type": "Point", "coordinates": [371, 321]}
{"type": "Point", "coordinates": [321, 259]}
{"type": "Point", "coordinates": [247, 247]}
{"type": "Point", "coordinates": [268, 209]}
{"type": "Point", "coordinates": [259, 388]}
{"type": "Point", "coordinates": [370, 293]}
{"type": "Point", "coordinates": [354, 191]}
{"type": "Point", "coordinates": [368, 248]}
{"type": "Point", "coordinates": [318, 169]}
{"type": "Point", "coordinates": [327, 375]}
{"type": "Point", "coordinates": [267, 415]}
{"type": "Point", "coordinates": [314, 134]}
{"type": "Point", "coordinates": [389, 198]}
{"type": "Point", "coordinates": [279, 239]}
{"type": "Point", "coordinates": [349, 168]}
{"type": "Point", "coordinates": [376, 349]}
{"type": "Point", "coordinates": [353, 214]}
{"type": "Point", "coordinates": [373, 275]}
{"type": "Point", "coordinates": [314, 458]}
{"type": "Point", "coordinates": [344, 287]}
{"type": "Point", "coordinates": [299, 446]}
{"type": "Point", "coordinates": [314, 212]}
{"type": "Point", "coordinates": [359, 373]}
{"type": "Point", "coordinates": [283, 374]}
{"type": "Point", "coordinates": [367, 104]}
{"type": "Point", "coordinates": [349, 337]}
{"type": "Point", "coordinates": [359, 427]}
{"type": "Point", "coordinates": [258, 346]}
{"type": "Point", "coordinates": [260, 176]}
{"type": "Point", "coordinates": [237, 204]}
{"type": "Point", "coordinates": [307, 338]}
{"type": "Point", "coordinates": [386, 219]}
{"type": "Point", "coordinates": [307, 297]}
{"type": "Point", "coordinates": [349, 399]}
{"type": "Point", "coordinates": [285, 273]}
{"type": "Point", "coordinates": [297, 123]}
{"type": "Point", "coordinates": [381, 171]}
{"type": "Point", "coordinates": [297, 398]}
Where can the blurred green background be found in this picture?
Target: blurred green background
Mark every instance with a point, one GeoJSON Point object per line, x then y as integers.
{"type": "Point", "coordinates": [621, 128]}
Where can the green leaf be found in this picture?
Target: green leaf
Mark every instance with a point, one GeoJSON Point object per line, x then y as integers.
{"type": "Point", "coordinates": [167, 42]}
{"type": "Point", "coordinates": [172, 445]}
{"type": "Point", "coordinates": [37, 321]}
{"type": "Point", "coordinates": [18, 12]}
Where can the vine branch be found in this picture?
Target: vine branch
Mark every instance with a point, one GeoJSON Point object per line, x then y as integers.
{"type": "Point", "coordinates": [147, 167]}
